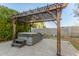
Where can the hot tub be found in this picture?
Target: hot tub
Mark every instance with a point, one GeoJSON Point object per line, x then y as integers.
{"type": "Point", "coordinates": [31, 38]}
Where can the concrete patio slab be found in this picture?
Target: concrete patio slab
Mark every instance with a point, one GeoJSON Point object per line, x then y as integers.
{"type": "Point", "coordinates": [47, 47]}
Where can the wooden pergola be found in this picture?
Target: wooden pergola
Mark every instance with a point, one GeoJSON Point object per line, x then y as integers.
{"type": "Point", "coordinates": [44, 14]}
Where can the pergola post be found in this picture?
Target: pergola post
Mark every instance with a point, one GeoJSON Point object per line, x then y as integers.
{"type": "Point", "coordinates": [58, 13]}
{"type": "Point", "coordinates": [14, 29]}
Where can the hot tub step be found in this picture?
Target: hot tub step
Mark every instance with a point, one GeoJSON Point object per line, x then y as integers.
{"type": "Point", "coordinates": [18, 43]}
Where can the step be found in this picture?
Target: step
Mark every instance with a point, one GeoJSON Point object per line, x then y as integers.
{"type": "Point", "coordinates": [17, 45]}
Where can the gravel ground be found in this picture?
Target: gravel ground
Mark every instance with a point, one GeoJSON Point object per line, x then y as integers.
{"type": "Point", "coordinates": [47, 47]}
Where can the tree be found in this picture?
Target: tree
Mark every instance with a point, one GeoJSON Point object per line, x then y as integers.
{"type": "Point", "coordinates": [76, 11]}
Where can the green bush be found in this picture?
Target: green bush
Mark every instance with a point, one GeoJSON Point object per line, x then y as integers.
{"type": "Point", "coordinates": [22, 27]}
{"type": "Point", "coordinates": [5, 30]}
{"type": "Point", "coordinates": [6, 24]}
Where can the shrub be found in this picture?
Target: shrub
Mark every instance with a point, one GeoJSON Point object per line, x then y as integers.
{"type": "Point", "coordinates": [6, 24]}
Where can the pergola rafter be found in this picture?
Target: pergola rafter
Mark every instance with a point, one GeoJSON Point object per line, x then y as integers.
{"type": "Point", "coordinates": [44, 14]}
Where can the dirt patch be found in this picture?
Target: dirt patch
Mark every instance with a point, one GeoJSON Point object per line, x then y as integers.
{"type": "Point", "coordinates": [74, 41]}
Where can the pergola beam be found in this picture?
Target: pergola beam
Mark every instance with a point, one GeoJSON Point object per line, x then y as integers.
{"type": "Point", "coordinates": [51, 7]}
{"type": "Point", "coordinates": [38, 21]}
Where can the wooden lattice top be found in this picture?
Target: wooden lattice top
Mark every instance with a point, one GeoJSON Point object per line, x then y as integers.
{"type": "Point", "coordinates": [39, 13]}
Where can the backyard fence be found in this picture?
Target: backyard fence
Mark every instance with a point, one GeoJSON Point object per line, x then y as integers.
{"type": "Point", "coordinates": [65, 31]}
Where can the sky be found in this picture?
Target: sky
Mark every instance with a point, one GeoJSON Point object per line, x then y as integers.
{"type": "Point", "coordinates": [67, 16]}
